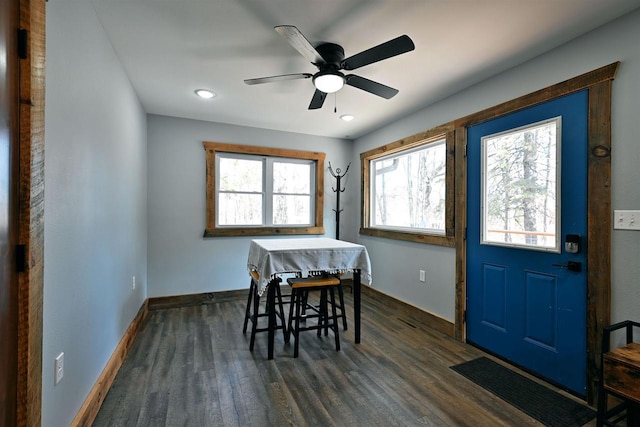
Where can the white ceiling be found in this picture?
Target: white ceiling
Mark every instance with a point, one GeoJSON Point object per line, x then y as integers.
{"type": "Point", "coordinates": [169, 48]}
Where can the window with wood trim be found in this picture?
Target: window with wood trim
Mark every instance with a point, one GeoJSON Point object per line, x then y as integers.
{"type": "Point", "coordinates": [263, 191]}
{"type": "Point", "coordinates": [407, 190]}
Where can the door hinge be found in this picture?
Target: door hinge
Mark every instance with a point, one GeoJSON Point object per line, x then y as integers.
{"type": "Point", "coordinates": [465, 150]}
{"type": "Point", "coordinates": [464, 316]}
{"type": "Point", "coordinates": [21, 258]}
{"type": "Point", "coordinates": [465, 233]}
{"type": "Point", "coordinates": [23, 43]}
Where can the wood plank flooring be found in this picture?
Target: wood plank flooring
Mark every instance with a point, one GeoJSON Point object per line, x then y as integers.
{"type": "Point", "coordinates": [191, 366]}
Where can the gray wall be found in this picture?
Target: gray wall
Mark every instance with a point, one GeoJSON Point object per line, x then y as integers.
{"type": "Point", "coordinates": [181, 261]}
{"type": "Point", "coordinates": [95, 206]}
{"type": "Point", "coordinates": [104, 223]}
{"type": "Point", "coordinates": [617, 41]}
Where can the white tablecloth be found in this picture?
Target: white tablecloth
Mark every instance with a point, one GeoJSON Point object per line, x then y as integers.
{"type": "Point", "coordinates": [270, 257]}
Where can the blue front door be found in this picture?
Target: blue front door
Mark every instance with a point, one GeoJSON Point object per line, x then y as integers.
{"type": "Point", "coordinates": [526, 254]}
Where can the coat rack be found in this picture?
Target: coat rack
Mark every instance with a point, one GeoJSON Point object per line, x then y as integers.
{"type": "Point", "coordinates": [338, 190]}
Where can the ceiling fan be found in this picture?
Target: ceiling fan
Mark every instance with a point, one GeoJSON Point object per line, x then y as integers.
{"type": "Point", "coordinates": [329, 58]}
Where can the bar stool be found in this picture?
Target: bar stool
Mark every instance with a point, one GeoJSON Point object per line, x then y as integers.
{"type": "Point", "coordinates": [340, 303]}
{"type": "Point", "coordinates": [272, 305]}
{"type": "Point", "coordinates": [300, 287]}
{"type": "Point", "coordinates": [620, 377]}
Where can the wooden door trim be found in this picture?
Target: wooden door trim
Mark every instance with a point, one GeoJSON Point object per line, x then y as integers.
{"type": "Point", "coordinates": [31, 218]}
{"type": "Point", "coordinates": [598, 82]}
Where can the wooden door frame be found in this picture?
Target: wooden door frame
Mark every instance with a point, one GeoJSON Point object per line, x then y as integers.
{"type": "Point", "coordinates": [9, 15]}
{"type": "Point", "coordinates": [31, 215]}
{"type": "Point", "coordinates": [598, 83]}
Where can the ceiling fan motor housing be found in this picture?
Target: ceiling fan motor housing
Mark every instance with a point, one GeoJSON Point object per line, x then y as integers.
{"type": "Point", "coordinates": [332, 53]}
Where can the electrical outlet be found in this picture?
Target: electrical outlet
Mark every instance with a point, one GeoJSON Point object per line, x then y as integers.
{"type": "Point", "coordinates": [423, 276]}
{"type": "Point", "coordinates": [626, 220]}
{"type": "Point", "coordinates": [133, 281]}
{"type": "Point", "coordinates": [59, 368]}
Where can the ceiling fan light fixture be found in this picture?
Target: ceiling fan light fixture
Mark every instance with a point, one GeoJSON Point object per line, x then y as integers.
{"type": "Point", "coordinates": [328, 81]}
{"type": "Point", "coordinates": [204, 93]}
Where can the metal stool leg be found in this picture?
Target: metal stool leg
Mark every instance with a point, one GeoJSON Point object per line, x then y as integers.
{"type": "Point", "coordinates": [247, 313]}
{"type": "Point", "coordinates": [254, 318]}
{"type": "Point", "coordinates": [282, 318]}
{"type": "Point", "coordinates": [335, 319]}
{"type": "Point", "coordinates": [296, 335]}
{"type": "Point", "coordinates": [342, 309]}
{"type": "Point", "coordinates": [322, 310]}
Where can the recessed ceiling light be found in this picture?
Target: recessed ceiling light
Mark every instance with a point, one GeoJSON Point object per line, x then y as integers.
{"type": "Point", "coordinates": [347, 117]}
{"type": "Point", "coordinates": [204, 93]}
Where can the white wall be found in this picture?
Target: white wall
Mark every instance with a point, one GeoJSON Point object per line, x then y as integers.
{"type": "Point", "coordinates": [95, 206]}
{"type": "Point", "coordinates": [617, 41]}
{"type": "Point", "coordinates": [181, 261]}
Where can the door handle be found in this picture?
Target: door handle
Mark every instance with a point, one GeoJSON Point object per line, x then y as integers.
{"type": "Point", "coordinates": [571, 266]}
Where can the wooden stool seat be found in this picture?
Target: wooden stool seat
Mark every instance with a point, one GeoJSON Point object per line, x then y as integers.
{"type": "Point", "coordinates": [313, 281]}
{"type": "Point", "coordinates": [299, 291]}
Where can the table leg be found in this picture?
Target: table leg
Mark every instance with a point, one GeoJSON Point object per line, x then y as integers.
{"type": "Point", "coordinates": [271, 310]}
{"type": "Point", "coordinates": [356, 304]}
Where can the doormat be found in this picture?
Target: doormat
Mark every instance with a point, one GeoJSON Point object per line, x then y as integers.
{"type": "Point", "coordinates": [545, 405]}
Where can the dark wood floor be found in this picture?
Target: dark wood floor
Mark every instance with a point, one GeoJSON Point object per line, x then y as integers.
{"type": "Point", "coordinates": [192, 366]}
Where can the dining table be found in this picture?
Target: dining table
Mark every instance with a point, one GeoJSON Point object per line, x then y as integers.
{"type": "Point", "coordinates": [275, 257]}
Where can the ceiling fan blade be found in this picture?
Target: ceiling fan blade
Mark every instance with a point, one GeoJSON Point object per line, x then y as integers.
{"type": "Point", "coordinates": [300, 43]}
{"type": "Point", "coordinates": [317, 100]}
{"type": "Point", "coordinates": [385, 50]}
{"type": "Point", "coordinates": [370, 86]}
{"type": "Point", "coordinates": [278, 78]}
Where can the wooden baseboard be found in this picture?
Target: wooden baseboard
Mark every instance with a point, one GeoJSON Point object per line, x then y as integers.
{"type": "Point", "coordinates": [92, 403]}
{"type": "Point", "coordinates": [411, 313]}
{"type": "Point", "coordinates": [177, 301]}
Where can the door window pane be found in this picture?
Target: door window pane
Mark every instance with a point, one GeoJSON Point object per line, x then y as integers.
{"type": "Point", "coordinates": [521, 177]}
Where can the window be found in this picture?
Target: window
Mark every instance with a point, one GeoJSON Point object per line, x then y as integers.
{"type": "Point", "coordinates": [262, 191]}
{"type": "Point", "coordinates": [408, 189]}
{"type": "Point", "coordinates": [521, 179]}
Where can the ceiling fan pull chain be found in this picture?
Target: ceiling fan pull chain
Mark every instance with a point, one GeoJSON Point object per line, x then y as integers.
{"type": "Point", "coordinates": [335, 102]}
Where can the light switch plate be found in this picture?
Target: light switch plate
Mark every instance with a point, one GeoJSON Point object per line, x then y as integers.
{"type": "Point", "coordinates": [626, 220]}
